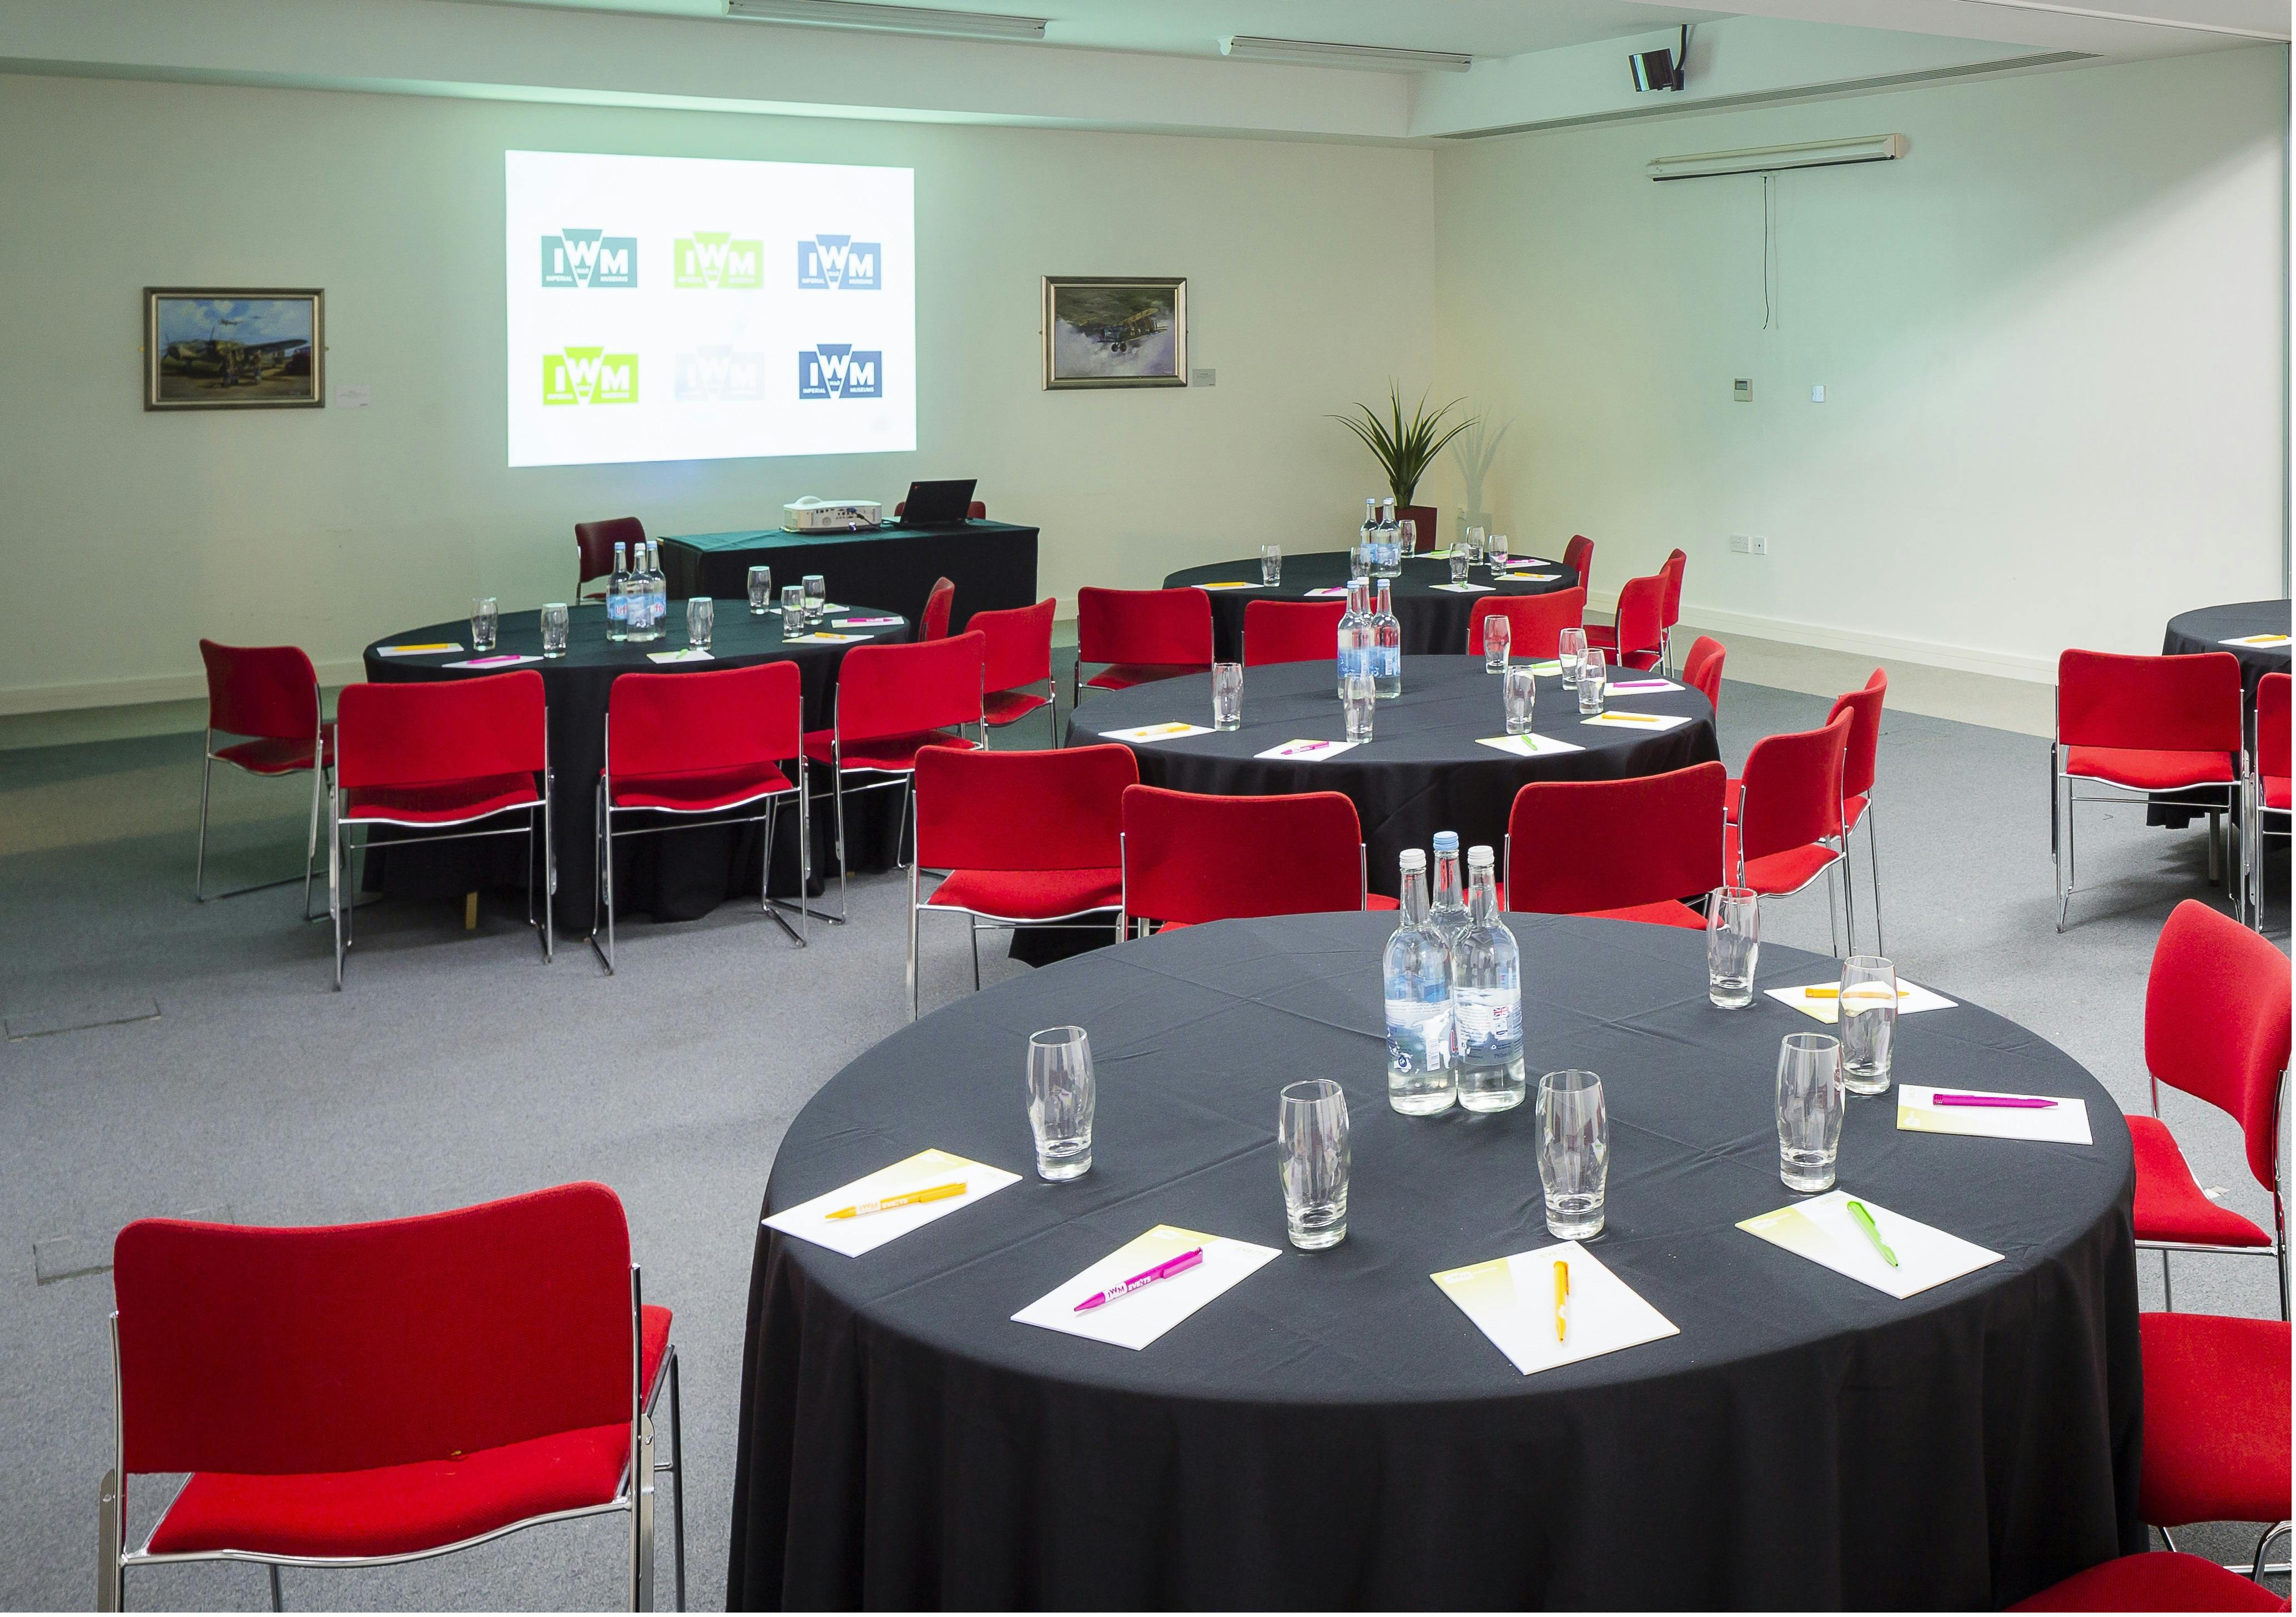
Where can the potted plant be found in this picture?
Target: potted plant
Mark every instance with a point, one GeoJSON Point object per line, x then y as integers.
{"type": "Point", "coordinates": [1405, 449]}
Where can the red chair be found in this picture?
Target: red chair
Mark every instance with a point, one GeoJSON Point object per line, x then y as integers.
{"type": "Point", "coordinates": [1579, 555]}
{"type": "Point", "coordinates": [1140, 634]}
{"type": "Point", "coordinates": [1535, 623]}
{"type": "Point", "coordinates": [269, 695]}
{"type": "Point", "coordinates": [680, 745]}
{"type": "Point", "coordinates": [435, 755]}
{"type": "Point", "coordinates": [2216, 1423]}
{"type": "Point", "coordinates": [594, 550]}
{"type": "Point", "coordinates": [2157, 1580]}
{"type": "Point", "coordinates": [892, 702]}
{"type": "Point", "coordinates": [1191, 858]}
{"type": "Point", "coordinates": [2142, 724]}
{"type": "Point", "coordinates": [1028, 839]}
{"type": "Point", "coordinates": [977, 511]}
{"type": "Point", "coordinates": [1290, 631]}
{"type": "Point", "coordinates": [1633, 642]}
{"type": "Point", "coordinates": [2268, 784]}
{"type": "Point", "coordinates": [1788, 831]}
{"type": "Point", "coordinates": [1020, 654]}
{"type": "Point", "coordinates": [1624, 849]}
{"type": "Point", "coordinates": [1864, 706]}
{"type": "Point", "coordinates": [934, 624]}
{"type": "Point", "coordinates": [2216, 1027]}
{"type": "Point", "coordinates": [1701, 670]}
{"type": "Point", "coordinates": [366, 1395]}
{"type": "Point", "coordinates": [1670, 613]}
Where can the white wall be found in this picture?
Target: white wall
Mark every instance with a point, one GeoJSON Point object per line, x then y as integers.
{"type": "Point", "coordinates": [2052, 340]}
{"type": "Point", "coordinates": [331, 527]}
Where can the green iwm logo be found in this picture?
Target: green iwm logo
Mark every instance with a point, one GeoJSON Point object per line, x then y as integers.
{"type": "Point", "coordinates": [715, 259]}
{"type": "Point", "coordinates": [589, 376]}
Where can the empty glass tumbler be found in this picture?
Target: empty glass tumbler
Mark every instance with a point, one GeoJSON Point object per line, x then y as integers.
{"type": "Point", "coordinates": [1061, 1101]}
{"type": "Point", "coordinates": [1360, 697]}
{"type": "Point", "coordinates": [816, 597]}
{"type": "Point", "coordinates": [1498, 633]}
{"type": "Point", "coordinates": [701, 621]}
{"type": "Point", "coordinates": [1590, 680]}
{"type": "Point", "coordinates": [1570, 646]}
{"type": "Point", "coordinates": [1574, 1152]}
{"type": "Point", "coordinates": [484, 616]}
{"type": "Point", "coordinates": [1359, 561]}
{"type": "Point", "coordinates": [1734, 940]}
{"type": "Point", "coordinates": [1473, 545]}
{"type": "Point", "coordinates": [1458, 564]}
{"type": "Point", "coordinates": [1313, 1157]}
{"type": "Point", "coordinates": [1497, 551]}
{"type": "Point", "coordinates": [1227, 695]}
{"type": "Point", "coordinates": [761, 591]}
{"type": "Point", "coordinates": [1271, 565]}
{"type": "Point", "coordinates": [555, 622]}
{"type": "Point", "coordinates": [1811, 1101]}
{"type": "Point", "coordinates": [1867, 1023]}
{"type": "Point", "coordinates": [1521, 698]}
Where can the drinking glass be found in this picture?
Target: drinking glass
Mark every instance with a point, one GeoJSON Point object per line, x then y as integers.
{"type": "Point", "coordinates": [1570, 647]}
{"type": "Point", "coordinates": [793, 608]}
{"type": "Point", "coordinates": [1406, 532]}
{"type": "Point", "coordinates": [816, 596]}
{"type": "Point", "coordinates": [484, 616]}
{"type": "Point", "coordinates": [1060, 1102]}
{"type": "Point", "coordinates": [1473, 545]}
{"type": "Point", "coordinates": [700, 620]}
{"type": "Point", "coordinates": [1869, 1023]}
{"type": "Point", "coordinates": [554, 623]}
{"type": "Point", "coordinates": [1359, 561]}
{"type": "Point", "coordinates": [1312, 1155]}
{"type": "Point", "coordinates": [1521, 699]}
{"type": "Point", "coordinates": [1734, 941]}
{"type": "Point", "coordinates": [1498, 629]}
{"type": "Point", "coordinates": [1271, 565]}
{"type": "Point", "coordinates": [1360, 698]}
{"type": "Point", "coordinates": [761, 591]}
{"type": "Point", "coordinates": [1574, 1152]}
{"type": "Point", "coordinates": [1458, 564]}
{"type": "Point", "coordinates": [1810, 1104]}
{"type": "Point", "coordinates": [1227, 695]}
{"type": "Point", "coordinates": [1590, 679]}
{"type": "Point", "coordinates": [1496, 551]}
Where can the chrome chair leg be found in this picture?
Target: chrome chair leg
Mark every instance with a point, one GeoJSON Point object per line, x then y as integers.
{"type": "Point", "coordinates": [915, 994]}
{"type": "Point", "coordinates": [109, 1543]}
{"type": "Point", "coordinates": [310, 843]}
{"type": "Point", "coordinates": [2168, 1290]}
{"type": "Point", "coordinates": [2065, 851]}
{"type": "Point", "coordinates": [2215, 836]}
{"type": "Point", "coordinates": [642, 1519]}
{"type": "Point", "coordinates": [2257, 1567]}
{"type": "Point", "coordinates": [1848, 898]}
{"type": "Point", "coordinates": [677, 1488]}
{"type": "Point", "coordinates": [602, 890]}
{"type": "Point", "coordinates": [278, 1600]}
{"type": "Point", "coordinates": [200, 863]}
{"type": "Point", "coordinates": [1873, 864]}
{"type": "Point", "coordinates": [972, 925]}
{"type": "Point", "coordinates": [1834, 913]}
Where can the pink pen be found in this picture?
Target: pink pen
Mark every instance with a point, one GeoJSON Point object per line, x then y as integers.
{"type": "Point", "coordinates": [2030, 1101]}
{"type": "Point", "coordinates": [1165, 1270]}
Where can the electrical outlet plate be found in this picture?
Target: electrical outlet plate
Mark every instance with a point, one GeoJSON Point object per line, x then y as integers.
{"type": "Point", "coordinates": [1817, 392]}
{"type": "Point", "coordinates": [1761, 544]}
{"type": "Point", "coordinates": [1740, 545]}
{"type": "Point", "coordinates": [1742, 390]}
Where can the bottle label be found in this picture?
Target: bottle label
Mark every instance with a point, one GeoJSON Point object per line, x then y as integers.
{"type": "Point", "coordinates": [1490, 1022]}
{"type": "Point", "coordinates": [1418, 1035]}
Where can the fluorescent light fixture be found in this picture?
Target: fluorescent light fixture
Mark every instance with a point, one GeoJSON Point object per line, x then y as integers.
{"type": "Point", "coordinates": [889, 19]}
{"type": "Point", "coordinates": [1765, 159]}
{"type": "Point", "coordinates": [1317, 54]}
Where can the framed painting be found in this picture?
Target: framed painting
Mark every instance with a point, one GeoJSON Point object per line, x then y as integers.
{"type": "Point", "coordinates": [232, 348]}
{"type": "Point", "coordinates": [1116, 332]}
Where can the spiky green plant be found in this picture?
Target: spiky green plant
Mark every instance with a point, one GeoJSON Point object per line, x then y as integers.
{"type": "Point", "coordinates": [1405, 449]}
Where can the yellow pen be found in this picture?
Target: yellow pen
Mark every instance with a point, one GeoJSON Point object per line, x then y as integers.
{"type": "Point", "coordinates": [939, 1193]}
{"type": "Point", "coordinates": [1561, 1301]}
{"type": "Point", "coordinates": [1632, 718]}
{"type": "Point", "coordinates": [1832, 993]}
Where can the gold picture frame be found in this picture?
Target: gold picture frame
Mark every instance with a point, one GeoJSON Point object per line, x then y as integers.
{"type": "Point", "coordinates": [235, 347]}
{"type": "Point", "coordinates": [1116, 332]}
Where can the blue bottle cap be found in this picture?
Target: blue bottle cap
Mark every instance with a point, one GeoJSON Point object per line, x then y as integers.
{"type": "Point", "coordinates": [1447, 841]}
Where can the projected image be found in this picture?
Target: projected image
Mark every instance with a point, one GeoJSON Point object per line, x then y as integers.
{"type": "Point", "coordinates": [1107, 332]}
{"type": "Point", "coordinates": [700, 308]}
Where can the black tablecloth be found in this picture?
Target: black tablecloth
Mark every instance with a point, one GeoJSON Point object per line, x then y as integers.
{"type": "Point", "coordinates": [992, 564]}
{"type": "Point", "coordinates": [676, 875]}
{"type": "Point", "coordinates": [2205, 629]}
{"type": "Point", "coordinates": [1333, 1433]}
{"type": "Point", "coordinates": [1423, 769]}
{"type": "Point", "coordinates": [1434, 620]}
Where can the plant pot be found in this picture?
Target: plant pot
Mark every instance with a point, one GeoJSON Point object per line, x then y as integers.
{"type": "Point", "coordinates": [1428, 522]}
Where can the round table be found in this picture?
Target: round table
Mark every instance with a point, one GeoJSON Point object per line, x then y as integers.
{"type": "Point", "coordinates": [1332, 1432]}
{"type": "Point", "coordinates": [1434, 620]}
{"type": "Point", "coordinates": [1425, 768]}
{"type": "Point", "coordinates": [678, 875]}
{"type": "Point", "coordinates": [2206, 628]}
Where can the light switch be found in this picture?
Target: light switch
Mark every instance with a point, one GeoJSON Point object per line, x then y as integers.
{"type": "Point", "coordinates": [1742, 390]}
{"type": "Point", "coordinates": [1817, 392]}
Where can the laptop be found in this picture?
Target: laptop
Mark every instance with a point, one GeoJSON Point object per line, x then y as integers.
{"type": "Point", "coordinates": [939, 504]}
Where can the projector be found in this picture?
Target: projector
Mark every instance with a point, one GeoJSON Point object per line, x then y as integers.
{"type": "Point", "coordinates": [813, 515]}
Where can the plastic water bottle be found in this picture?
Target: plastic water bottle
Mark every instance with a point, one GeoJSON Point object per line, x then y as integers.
{"type": "Point", "coordinates": [1355, 635]}
{"type": "Point", "coordinates": [618, 596]}
{"type": "Point", "coordinates": [1390, 541]}
{"type": "Point", "coordinates": [1418, 968]}
{"type": "Point", "coordinates": [1486, 999]}
{"type": "Point", "coordinates": [645, 598]}
{"type": "Point", "coordinates": [659, 583]}
{"type": "Point", "coordinates": [1367, 536]}
{"type": "Point", "coordinates": [1449, 915]}
{"type": "Point", "coordinates": [1387, 645]}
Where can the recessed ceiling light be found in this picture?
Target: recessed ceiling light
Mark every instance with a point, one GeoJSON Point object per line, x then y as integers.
{"type": "Point", "coordinates": [1318, 54]}
{"type": "Point", "coordinates": [889, 19]}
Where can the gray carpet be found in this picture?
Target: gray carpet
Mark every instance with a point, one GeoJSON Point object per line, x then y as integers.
{"type": "Point", "coordinates": [457, 1066]}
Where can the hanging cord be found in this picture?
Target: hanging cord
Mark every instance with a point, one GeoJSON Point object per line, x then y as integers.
{"type": "Point", "coordinates": [1769, 182]}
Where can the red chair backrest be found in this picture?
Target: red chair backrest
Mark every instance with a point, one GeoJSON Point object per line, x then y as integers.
{"type": "Point", "coordinates": [978, 510]}
{"type": "Point", "coordinates": [2216, 1021]}
{"type": "Point", "coordinates": [594, 542]}
{"type": "Point", "coordinates": [276, 1352]}
{"type": "Point", "coordinates": [1580, 556]}
{"type": "Point", "coordinates": [1671, 614]}
{"type": "Point", "coordinates": [2176, 704]}
{"type": "Point", "coordinates": [442, 730]}
{"type": "Point", "coordinates": [1793, 786]}
{"type": "Point", "coordinates": [1019, 643]}
{"type": "Point", "coordinates": [1574, 846]}
{"type": "Point", "coordinates": [898, 690]}
{"type": "Point", "coordinates": [2272, 741]}
{"type": "Point", "coordinates": [1167, 626]}
{"type": "Point", "coordinates": [1864, 706]}
{"type": "Point", "coordinates": [270, 691]}
{"type": "Point", "coordinates": [1197, 858]}
{"type": "Point", "coordinates": [1535, 623]}
{"type": "Point", "coordinates": [690, 723]}
{"type": "Point", "coordinates": [1290, 631]}
{"type": "Point", "coordinates": [1050, 810]}
{"type": "Point", "coordinates": [934, 624]}
{"type": "Point", "coordinates": [1642, 614]}
{"type": "Point", "coordinates": [1701, 670]}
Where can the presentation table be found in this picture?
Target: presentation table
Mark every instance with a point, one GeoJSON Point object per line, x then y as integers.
{"type": "Point", "coordinates": [1434, 620]}
{"type": "Point", "coordinates": [1425, 768]}
{"type": "Point", "coordinates": [992, 564]}
{"type": "Point", "coordinates": [679, 875]}
{"type": "Point", "coordinates": [2207, 628]}
{"type": "Point", "coordinates": [1332, 1432]}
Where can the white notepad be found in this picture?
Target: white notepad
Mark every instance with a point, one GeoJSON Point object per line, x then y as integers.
{"type": "Point", "coordinates": [1825, 1231]}
{"type": "Point", "coordinates": [808, 1220]}
{"type": "Point", "coordinates": [1512, 1301]}
{"type": "Point", "coordinates": [2254, 641]}
{"type": "Point", "coordinates": [1171, 732]}
{"type": "Point", "coordinates": [1529, 746]}
{"type": "Point", "coordinates": [1912, 997]}
{"type": "Point", "coordinates": [1308, 750]}
{"type": "Point", "coordinates": [504, 660]}
{"type": "Point", "coordinates": [1463, 589]}
{"type": "Point", "coordinates": [2066, 1123]}
{"type": "Point", "coordinates": [430, 649]}
{"type": "Point", "coordinates": [1334, 589]}
{"type": "Point", "coordinates": [684, 654]}
{"type": "Point", "coordinates": [1137, 1320]}
{"type": "Point", "coordinates": [1657, 723]}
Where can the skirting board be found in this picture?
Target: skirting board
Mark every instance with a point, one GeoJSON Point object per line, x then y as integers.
{"type": "Point", "coordinates": [1932, 654]}
{"type": "Point", "coordinates": [130, 693]}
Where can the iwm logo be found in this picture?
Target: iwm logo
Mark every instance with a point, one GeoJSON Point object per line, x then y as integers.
{"type": "Point", "coordinates": [837, 369]}
{"type": "Point", "coordinates": [589, 376]}
{"type": "Point", "coordinates": [720, 373]}
{"type": "Point", "coordinates": [838, 261]}
{"type": "Point", "coordinates": [709, 258]}
{"type": "Point", "coordinates": [589, 257]}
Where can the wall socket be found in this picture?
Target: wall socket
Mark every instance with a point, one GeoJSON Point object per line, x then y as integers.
{"type": "Point", "coordinates": [1740, 545]}
{"type": "Point", "coordinates": [1761, 545]}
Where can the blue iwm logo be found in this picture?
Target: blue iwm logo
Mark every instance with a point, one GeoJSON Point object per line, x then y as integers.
{"type": "Point", "coordinates": [838, 370]}
{"type": "Point", "coordinates": [827, 262]}
{"type": "Point", "coordinates": [589, 257]}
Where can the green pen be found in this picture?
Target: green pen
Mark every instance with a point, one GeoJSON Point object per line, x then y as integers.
{"type": "Point", "coordinates": [1865, 1222]}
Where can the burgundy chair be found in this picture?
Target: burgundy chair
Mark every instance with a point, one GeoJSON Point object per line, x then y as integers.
{"type": "Point", "coordinates": [1019, 654]}
{"type": "Point", "coordinates": [1535, 623]}
{"type": "Point", "coordinates": [2216, 1423]}
{"type": "Point", "coordinates": [1290, 631]}
{"type": "Point", "coordinates": [709, 743]}
{"type": "Point", "coordinates": [1671, 613]}
{"type": "Point", "coordinates": [2155, 1581]}
{"type": "Point", "coordinates": [1634, 640]}
{"type": "Point", "coordinates": [2268, 784]}
{"type": "Point", "coordinates": [977, 511]}
{"type": "Point", "coordinates": [1788, 830]}
{"type": "Point", "coordinates": [438, 755]}
{"type": "Point", "coordinates": [269, 695]}
{"type": "Point", "coordinates": [1191, 858]}
{"type": "Point", "coordinates": [1864, 706]}
{"type": "Point", "coordinates": [1140, 634]}
{"type": "Point", "coordinates": [934, 624]}
{"type": "Point", "coordinates": [365, 1394]}
{"type": "Point", "coordinates": [594, 550]}
{"type": "Point", "coordinates": [1701, 670]}
{"type": "Point", "coordinates": [1623, 849]}
{"type": "Point", "coordinates": [1579, 555]}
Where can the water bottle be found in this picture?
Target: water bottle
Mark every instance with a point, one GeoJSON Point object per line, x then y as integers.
{"type": "Point", "coordinates": [1367, 536]}
{"type": "Point", "coordinates": [1418, 969]}
{"type": "Point", "coordinates": [1486, 999]}
{"type": "Point", "coordinates": [658, 582]}
{"type": "Point", "coordinates": [1449, 915]}
{"type": "Point", "coordinates": [1391, 540]}
{"type": "Point", "coordinates": [645, 626]}
{"type": "Point", "coordinates": [1387, 645]}
{"type": "Point", "coordinates": [618, 596]}
{"type": "Point", "coordinates": [1355, 634]}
